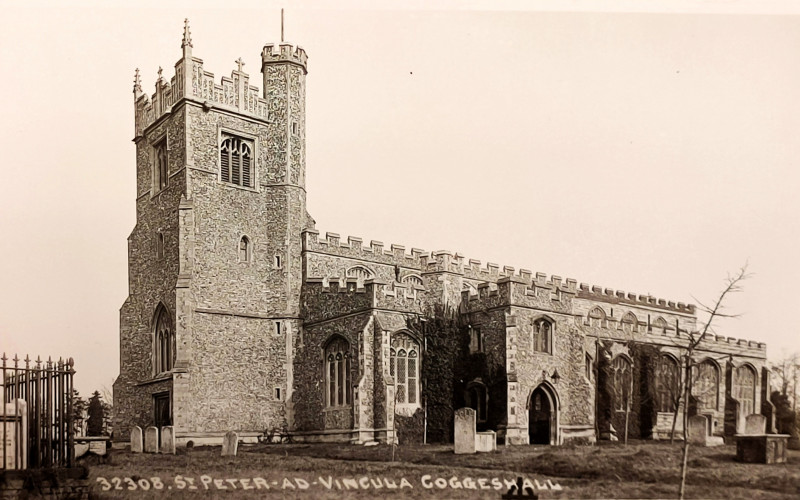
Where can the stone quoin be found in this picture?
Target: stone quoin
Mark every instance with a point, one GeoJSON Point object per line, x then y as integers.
{"type": "Point", "coordinates": [242, 317]}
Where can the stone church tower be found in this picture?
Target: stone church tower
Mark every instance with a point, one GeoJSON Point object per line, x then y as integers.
{"type": "Point", "coordinates": [208, 330]}
{"type": "Point", "coordinates": [241, 316]}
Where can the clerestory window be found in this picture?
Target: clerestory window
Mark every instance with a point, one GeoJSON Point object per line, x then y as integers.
{"type": "Point", "coordinates": [236, 161]}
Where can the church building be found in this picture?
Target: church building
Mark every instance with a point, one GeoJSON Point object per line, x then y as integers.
{"type": "Point", "coordinates": [242, 316]}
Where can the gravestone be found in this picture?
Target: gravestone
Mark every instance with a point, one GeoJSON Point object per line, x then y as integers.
{"type": "Point", "coordinates": [168, 440]}
{"type": "Point", "coordinates": [464, 429]}
{"type": "Point", "coordinates": [151, 440]}
{"type": "Point", "coordinates": [485, 441]}
{"type": "Point", "coordinates": [230, 444]}
{"type": "Point", "coordinates": [98, 447]}
{"type": "Point", "coordinates": [698, 430]}
{"type": "Point", "coordinates": [15, 430]}
{"type": "Point", "coordinates": [136, 439]}
{"type": "Point", "coordinates": [755, 424]}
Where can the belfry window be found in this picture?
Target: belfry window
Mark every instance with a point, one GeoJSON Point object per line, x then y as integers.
{"type": "Point", "coordinates": [542, 336]}
{"type": "Point", "coordinates": [235, 161]}
{"type": "Point", "coordinates": [164, 342]}
{"type": "Point", "coordinates": [404, 368]}
{"type": "Point", "coordinates": [337, 372]}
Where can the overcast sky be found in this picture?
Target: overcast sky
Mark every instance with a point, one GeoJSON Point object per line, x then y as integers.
{"type": "Point", "coordinates": [645, 152]}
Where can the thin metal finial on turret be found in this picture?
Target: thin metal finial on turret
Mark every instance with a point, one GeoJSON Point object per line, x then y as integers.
{"type": "Point", "coordinates": [187, 34]}
{"type": "Point", "coordinates": [281, 25]}
{"type": "Point", "coordinates": [137, 82]}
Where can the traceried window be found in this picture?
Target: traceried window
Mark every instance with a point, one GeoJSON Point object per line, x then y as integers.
{"type": "Point", "coordinates": [337, 372]}
{"type": "Point", "coordinates": [160, 168]}
{"type": "Point", "coordinates": [245, 249]}
{"type": "Point", "coordinates": [404, 368]}
{"type": "Point", "coordinates": [660, 326]}
{"type": "Point", "coordinates": [597, 317]}
{"type": "Point", "coordinates": [361, 274]}
{"type": "Point", "coordinates": [744, 389]}
{"type": "Point", "coordinates": [705, 386]}
{"type": "Point", "coordinates": [623, 377]}
{"type": "Point", "coordinates": [164, 342]}
{"type": "Point", "coordinates": [542, 336]}
{"type": "Point", "coordinates": [630, 323]}
{"type": "Point", "coordinates": [667, 383]}
{"type": "Point", "coordinates": [236, 160]}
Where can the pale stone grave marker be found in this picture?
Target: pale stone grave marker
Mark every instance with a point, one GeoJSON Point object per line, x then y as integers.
{"type": "Point", "coordinates": [464, 438]}
{"type": "Point", "coordinates": [698, 430]}
{"type": "Point", "coordinates": [97, 447]}
{"type": "Point", "coordinates": [15, 431]}
{"type": "Point", "coordinates": [151, 440]}
{"type": "Point", "coordinates": [136, 439]}
{"type": "Point", "coordinates": [230, 444]}
{"type": "Point", "coordinates": [755, 424]}
{"type": "Point", "coordinates": [168, 440]}
{"type": "Point", "coordinates": [486, 441]}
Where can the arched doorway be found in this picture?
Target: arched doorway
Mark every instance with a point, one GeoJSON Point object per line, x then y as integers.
{"type": "Point", "coordinates": [542, 412]}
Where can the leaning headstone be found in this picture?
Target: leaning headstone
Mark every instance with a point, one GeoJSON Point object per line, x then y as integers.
{"type": "Point", "coordinates": [464, 437]}
{"type": "Point", "coordinates": [698, 430]}
{"type": "Point", "coordinates": [168, 440]}
{"type": "Point", "coordinates": [136, 440]}
{"type": "Point", "coordinates": [230, 444]}
{"type": "Point", "coordinates": [151, 440]}
{"type": "Point", "coordinates": [755, 424]}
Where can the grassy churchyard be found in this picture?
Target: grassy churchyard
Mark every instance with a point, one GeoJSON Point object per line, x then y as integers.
{"type": "Point", "coordinates": [327, 471]}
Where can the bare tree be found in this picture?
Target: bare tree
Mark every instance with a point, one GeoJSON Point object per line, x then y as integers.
{"type": "Point", "coordinates": [733, 284]}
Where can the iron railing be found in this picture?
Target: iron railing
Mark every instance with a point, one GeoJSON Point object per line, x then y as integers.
{"type": "Point", "coordinates": [38, 411]}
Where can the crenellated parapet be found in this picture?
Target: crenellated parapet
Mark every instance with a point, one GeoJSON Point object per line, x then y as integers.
{"type": "Point", "coordinates": [353, 247]}
{"type": "Point", "coordinates": [192, 81]}
{"type": "Point", "coordinates": [597, 293]}
{"type": "Point", "coordinates": [284, 53]}
{"type": "Point", "coordinates": [333, 297]}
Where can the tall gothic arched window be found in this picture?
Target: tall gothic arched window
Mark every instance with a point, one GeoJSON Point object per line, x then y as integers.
{"type": "Point", "coordinates": [744, 389]}
{"type": "Point", "coordinates": [404, 368]}
{"type": "Point", "coordinates": [667, 383]}
{"type": "Point", "coordinates": [705, 386]}
{"type": "Point", "coordinates": [235, 161]}
{"type": "Point", "coordinates": [623, 377]}
{"type": "Point", "coordinates": [164, 342]}
{"type": "Point", "coordinates": [542, 336]}
{"type": "Point", "coordinates": [337, 372]}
